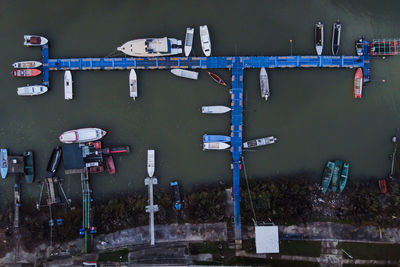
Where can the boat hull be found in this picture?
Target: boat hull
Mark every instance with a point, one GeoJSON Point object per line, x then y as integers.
{"type": "Point", "coordinates": [29, 167]}
{"type": "Point", "coordinates": [185, 73]}
{"type": "Point", "coordinates": [205, 40]}
{"type": "Point", "coordinates": [26, 64]}
{"type": "Point", "coordinates": [336, 34]}
{"type": "Point", "coordinates": [215, 146]}
{"type": "Point", "coordinates": [382, 186]}
{"type": "Point", "coordinates": [327, 176]}
{"type": "Point", "coordinates": [215, 109]}
{"type": "Point", "coordinates": [344, 176]}
{"type": "Point", "coordinates": [159, 47]}
{"type": "Point", "coordinates": [32, 90]}
{"type": "Point", "coordinates": [151, 154]}
{"type": "Point", "coordinates": [82, 135]}
{"type": "Point", "coordinates": [264, 84]}
{"type": "Point", "coordinates": [68, 94]}
{"type": "Point", "coordinates": [260, 142]}
{"type": "Point", "coordinates": [319, 38]}
{"type": "Point", "coordinates": [189, 41]}
{"type": "Point", "coordinates": [216, 78]}
{"type": "Point", "coordinates": [336, 173]}
{"type": "Point", "coordinates": [110, 165]}
{"type": "Point", "coordinates": [54, 161]}
{"type": "Point", "coordinates": [358, 83]}
{"type": "Point", "coordinates": [34, 40]}
{"type": "Point", "coordinates": [133, 84]}
{"type": "Point", "coordinates": [22, 73]}
{"type": "Point", "coordinates": [216, 138]}
{"type": "Point", "coordinates": [4, 162]}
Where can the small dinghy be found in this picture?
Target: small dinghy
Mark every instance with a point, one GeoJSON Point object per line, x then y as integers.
{"type": "Point", "coordinates": [205, 40]}
{"type": "Point", "coordinates": [189, 40]}
{"type": "Point", "coordinates": [215, 109]}
{"type": "Point", "coordinates": [31, 90]}
{"type": "Point", "coordinates": [215, 146]}
{"type": "Point", "coordinates": [185, 73]}
{"type": "Point", "coordinates": [68, 85]}
{"type": "Point", "coordinates": [34, 40]}
{"type": "Point", "coordinates": [216, 78]}
{"type": "Point", "coordinates": [133, 84]}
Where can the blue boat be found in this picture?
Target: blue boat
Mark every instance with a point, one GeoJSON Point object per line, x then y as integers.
{"type": "Point", "coordinates": [215, 138]}
{"type": "Point", "coordinates": [4, 163]}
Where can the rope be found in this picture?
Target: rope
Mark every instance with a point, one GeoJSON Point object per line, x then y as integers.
{"type": "Point", "coordinates": [248, 190]}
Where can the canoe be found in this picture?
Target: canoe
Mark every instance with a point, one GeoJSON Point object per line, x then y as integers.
{"type": "Point", "coordinates": [150, 162]}
{"type": "Point", "coordinates": [68, 85]}
{"type": "Point", "coordinates": [336, 173]}
{"type": "Point", "coordinates": [205, 40]}
{"type": "Point", "coordinates": [344, 176]}
{"type": "Point", "coordinates": [54, 161]}
{"type": "Point", "coordinates": [185, 73]}
{"type": "Point", "coordinates": [110, 165]}
{"type": "Point", "coordinates": [327, 176]}
{"type": "Point", "coordinates": [27, 64]}
{"type": "Point", "coordinates": [216, 78]}
{"type": "Point", "coordinates": [319, 38]}
{"type": "Point", "coordinates": [133, 84]}
{"type": "Point", "coordinates": [358, 83]}
{"type": "Point", "coordinates": [336, 32]}
{"type": "Point", "coordinates": [34, 40]}
{"type": "Point", "coordinates": [29, 169]}
{"type": "Point", "coordinates": [382, 186]}
{"type": "Point", "coordinates": [215, 146]}
{"type": "Point", "coordinates": [264, 84]}
{"type": "Point", "coordinates": [216, 138]}
{"type": "Point", "coordinates": [21, 73]}
{"type": "Point", "coordinates": [260, 142]}
{"type": "Point", "coordinates": [82, 135]}
{"type": "Point", "coordinates": [214, 109]}
{"type": "Point", "coordinates": [31, 90]}
{"type": "Point", "coordinates": [189, 40]}
{"type": "Point", "coordinates": [4, 162]}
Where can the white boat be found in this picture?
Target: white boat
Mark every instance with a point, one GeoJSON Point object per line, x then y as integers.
{"type": "Point", "coordinates": [151, 47]}
{"type": "Point", "coordinates": [215, 146]}
{"type": "Point", "coordinates": [260, 142]}
{"type": "Point", "coordinates": [319, 37]}
{"type": "Point", "coordinates": [205, 40]}
{"type": "Point", "coordinates": [68, 85]}
{"type": "Point", "coordinates": [189, 40]}
{"type": "Point", "coordinates": [215, 109]}
{"type": "Point", "coordinates": [151, 162]}
{"type": "Point", "coordinates": [185, 73]}
{"type": "Point", "coordinates": [264, 84]}
{"type": "Point", "coordinates": [31, 90]}
{"type": "Point", "coordinates": [27, 64]}
{"type": "Point", "coordinates": [34, 40]}
{"type": "Point", "coordinates": [133, 84]}
{"type": "Point", "coordinates": [82, 135]}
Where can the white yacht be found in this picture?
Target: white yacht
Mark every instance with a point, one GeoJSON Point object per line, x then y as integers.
{"type": "Point", "coordinates": [31, 90]}
{"type": "Point", "coordinates": [82, 135]}
{"type": "Point", "coordinates": [264, 84]}
{"type": "Point", "coordinates": [133, 84]}
{"type": "Point", "coordinates": [152, 47]}
{"type": "Point", "coordinates": [185, 73]}
{"type": "Point", "coordinates": [68, 85]}
{"type": "Point", "coordinates": [151, 162]}
{"type": "Point", "coordinates": [34, 40]}
{"type": "Point", "coordinates": [215, 109]}
{"type": "Point", "coordinates": [189, 40]}
{"type": "Point", "coordinates": [205, 40]}
{"type": "Point", "coordinates": [27, 64]}
{"type": "Point", "coordinates": [215, 146]}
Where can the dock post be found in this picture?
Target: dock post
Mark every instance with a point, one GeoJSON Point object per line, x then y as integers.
{"type": "Point", "coordinates": [151, 208]}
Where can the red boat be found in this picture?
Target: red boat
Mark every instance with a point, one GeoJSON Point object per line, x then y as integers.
{"type": "Point", "coordinates": [110, 165]}
{"type": "Point", "coordinates": [216, 78]}
{"type": "Point", "coordinates": [96, 169]}
{"type": "Point", "coordinates": [382, 186]}
{"type": "Point", "coordinates": [358, 83]}
{"type": "Point", "coordinates": [26, 72]}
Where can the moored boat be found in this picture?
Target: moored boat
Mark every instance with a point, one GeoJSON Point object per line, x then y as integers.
{"type": "Point", "coordinates": [34, 40]}
{"type": "Point", "coordinates": [185, 73]}
{"type": "Point", "coordinates": [110, 165]}
{"type": "Point", "coordinates": [54, 161]}
{"type": "Point", "coordinates": [27, 64]}
{"type": "Point", "coordinates": [384, 48]}
{"type": "Point", "coordinates": [260, 142]}
{"type": "Point", "coordinates": [336, 174]}
{"type": "Point", "coordinates": [189, 40]}
{"type": "Point", "coordinates": [327, 176]}
{"type": "Point", "coordinates": [152, 47]}
{"type": "Point", "coordinates": [216, 78]}
{"type": "Point", "coordinates": [215, 109]}
{"type": "Point", "coordinates": [359, 46]}
{"type": "Point", "coordinates": [133, 84]}
{"type": "Point", "coordinates": [382, 186]}
{"type": "Point", "coordinates": [264, 84]}
{"type": "Point", "coordinates": [116, 150]}
{"type": "Point", "coordinates": [336, 32]}
{"type": "Point", "coordinates": [216, 138]}
{"type": "Point", "coordinates": [358, 83]}
{"type": "Point", "coordinates": [215, 146]}
{"type": "Point", "coordinates": [29, 167]}
{"type": "Point", "coordinates": [82, 135]}
{"type": "Point", "coordinates": [4, 162]}
{"type": "Point", "coordinates": [151, 154]}
{"type": "Point", "coordinates": [344, 176]}
{"type": "Point", "coordinates": [176, 195]}
{"type": "Point", "coordinates": [68, 85]}
{"type": "Point", "coordinates": [31, 90]}
{"type": "Point", "coordinates": [205, 40]}
{"type": "Point", "coordinates": [96, 169]}
{"type": "Point", "coordinates": [26, 72]}
{"type": "Point", "coordinates": [319, 37]}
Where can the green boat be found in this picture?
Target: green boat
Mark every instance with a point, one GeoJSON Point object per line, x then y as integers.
{"type": "Point", "coordinates": [336, 174]}
{"type": "Point", "coordinates": [29, 170]}
{"type": "Point", "coordinates": [327, 176]}
{"type": "Point", "coordinates": [343, 176]}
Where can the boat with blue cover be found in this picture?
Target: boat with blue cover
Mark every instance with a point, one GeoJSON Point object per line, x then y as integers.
{"type": "Point", "coordinates": [327, 176]}
{"type": "Point", "coordinates": [343, 176]}
{"type": "Point", "coordinates": [216, 138]}
{"type": "Point", "coordinates": [4, 162]}
{"type": "Point", "coordinates": [336, 174]}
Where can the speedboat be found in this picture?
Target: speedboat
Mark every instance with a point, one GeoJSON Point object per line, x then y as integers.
{"type": "Point", "coordinates": [68, 85]}
{"type": "Point", "coordinates": [4, 162]}
{"type": "Point", "coordinates": [319, 37]}
{"type": "Point", "coordinates": [29, 167]}
{"type": "Point", "coordinates": [264, 84]}
{"type": "Point", "coordinates": [31, 90]}
{"type": "Point", "coordinates": [337, 29]}
{"type": "Point", "coordinates": [358, 83]}
{"type": "Point", "coordinates": [185, 73]}
{"type": "Point", "coordinates": [151, 154]}
{"type": "Point", "coordinates": [215, 109]}
{"type": "Point", "coordinates": [151, 47]}
{"type": "Point", "coordinates": [260, 142]}
{"type": "Point", "coordinates": [133, 84]}
{"type": "Point", "coordinates": [359, 46]}
{"type": "Point", "coordinates": [82, 135]}
{"type": "Point", "coordinates": [215, 146]}
{"type": "Point", "coordinates": [34, 40]}
{"type": "Point", "coordinates": [26, 64]}
{"type": "Point", "coordinates": [215, 138]}
{"type": "Point", "coordinates": [205, 40]}
{"type": "Point", "coordinates": [189, 40]}
{"type": "Point", "coordinates": [327, 176]}
{"type": "Point", "coordinates": [216, 78]}
{"type": "Point", "coordinates": [26, 72]}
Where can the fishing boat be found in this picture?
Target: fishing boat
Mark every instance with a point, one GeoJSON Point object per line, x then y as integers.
{"type": "Point", "coordinates": [205, 40]}
{"type": "Point", "coordinates": [29, 168]}
{"type": "Point", "coordinates": [382, 186]}
{"type": "Point", "coordinates": [384, 48]}
{"type": "Point", "coordinates": [176, 196]}
{"type": "Point", "coordinates": [151, 47]}
{"type": "Point", "coordinates": [215, 109]}
{"type": "Point", "coordinates": [216, 78]}
{"type": "Point", "coordinates": [133, 84]}
{"type": "Point", "coordinates": [82, 135]}
{"type": "Point", "coordinates": [319, 37]}
{"type": "Point", "coordinates": [358, 83]}
{"type": "Point", "coordinates": [31, 90]}
{"type": "Point", "coordinates": [110, 165]}
{"type": "Point", "coordinates": [185, 73]}
{"type": "Point", "coordinates": [216, 138]}
{"type": "Point", "coordinates": [68, 85]}
{"type": "Point", "coordinates": [54, 161]}
{"type": "Point", "coordinates": [189, 40]}
{"type": "Point", "coordinates": [344, 176]}
{"type": "Point", "coordinates": [264, 84]}
{"type": "Point", "coordinates": [26, 72]}
{"type": "Point", "coordinates": [4, 162]}
{"type": "Point", "coordinates": [359, 46]}
{"type": "Point", "coordinates": [215, 146]}
{"type": "Point", "coordinates": [34, 40]}
{"type": "Point", "coordinates": [150, 162]}
{"type": "Point", "coordinates": [327, 176]}
{"type": "Point", "coordinates": [336, 32]}
{"type": "Point", "coordinates": [336, 175]}
{"type": "Point", "coordinates": [260, 142]}
{"type": "Point", "coordinates": [96, 169]}
{"type": "Point", "coordinates": [27, 64]}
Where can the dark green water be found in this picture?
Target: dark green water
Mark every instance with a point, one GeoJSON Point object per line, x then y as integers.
{"type": "Point", "coordinates": [311, 111]}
